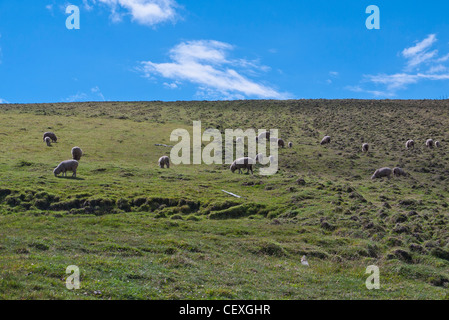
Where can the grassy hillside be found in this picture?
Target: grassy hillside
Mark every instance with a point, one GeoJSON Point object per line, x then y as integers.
{"type": "Point", "coordinates": [140, 232]}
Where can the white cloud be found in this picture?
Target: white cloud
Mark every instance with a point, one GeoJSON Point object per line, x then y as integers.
{"type": "Point", "coordinates": [3, 101]}
{"type": "Point", "coordinates": [172, 85]}
{"type": "Point", "coordinates": [333, 75]}
{"type": "Point", "coordinates": [145, 12]}
{"type": "Point", "coordinates": [87, 5]}
{"type": "Point", "coordinates": [437, 69]}
{"type": "Point", "coordinates": [443, 59]}
{"type": "Point", "coordinates": [376, 93]}
{"type": "Point", "coordinates": [77, 97]}
{"type": "Point", "coordinates": [94, 95]}
{"type": "Point", "coordinates": [97, 91]}
{"type": "Point", "coordinates": [206, 64]}
{"type": "Point", "coordinates": [416, 56]}
{"type": "Point", "coordinates": [419, 53]}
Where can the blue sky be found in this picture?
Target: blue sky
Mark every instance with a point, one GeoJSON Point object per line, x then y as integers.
{"type": "Point", "coordinates": [222, 49]}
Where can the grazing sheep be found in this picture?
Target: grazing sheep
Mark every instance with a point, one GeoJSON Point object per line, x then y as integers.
{"type": "Point", "coordinates": [397, 172]}
{"type": "Point", "coordinates": [290, 145]}
{"type": "Point", "coordinates": [281, 143]}
{"type": "Point", "coordinates": [77, 153]}
{"type": "Point", "coordinates": [68, 165]}
{"type": "Point", "coordinates": [437, 144]}
{"type": "Point", "coordinates": [382, 172]}
{"type": "Point", "coordinates": [164, 161]}
{"type": "Point", "coordinates": [365, 147]}
{"type": "Point", "coordinates": [410, 144]}
{"type": "Point", "coordinates": [242, 163]}
{"type": "Point", "coordinates": [429, 143]}
{"type": "Point", "coordinates": [259, 157]}
{"type": "Point", "coordinates": [51, 135]}
{"type": "Point", "coordinates": [264, 135]}
{"type": "Point", "coordinates": [48, 141]}
{"type": "Point", "coordinates": [326, 140]}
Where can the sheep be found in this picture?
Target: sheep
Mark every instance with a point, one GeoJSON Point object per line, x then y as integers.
{"type": "Point", "coordinates": [51, 135]}
{"type": "Point", "coordinates": [77, 153]}
{"type": "Point", "coordinates": [164, 161]}
{"type": "Point", "coordinates": [429, 143]}
{"type": "Point", "coordinates": [437, 144]}
{"type": "Point", "coordinates": [48, 141]}
{"type": "Point", "coordinates": [281, 143]}
{"type": "Point", "coordinates": [68, 165]}
{"type": "Point", "coordinates": [397, 172]}
{"type": "Point", "coordinates": [382, 172]}
{"type": "Point", "coordinates": [410, 144]}
{"type": "Point", "coordinates": [290, 145]}
{"type": "Point", "coordinates": [242, 163]}
{"type": "Point", "coordinates": [326, 140]}
{"type": "Point", "coordinates": [259, 158]}
{"type": "Point", "coordinates": [264, 135]}
{"type": "Point", "coordinates": [365, 147]}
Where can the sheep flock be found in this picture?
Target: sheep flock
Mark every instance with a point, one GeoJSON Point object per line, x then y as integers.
{"type": "Point", "coordinates": [241, 163]}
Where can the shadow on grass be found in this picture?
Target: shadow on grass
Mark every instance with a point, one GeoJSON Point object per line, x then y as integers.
{"type": "Point", "coordinates": [70, 178]}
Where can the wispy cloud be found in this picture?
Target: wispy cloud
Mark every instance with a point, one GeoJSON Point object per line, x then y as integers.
{"type": "Point", "coordinates": [94, 95]}
{"type": "Point", "coordinates": [78, 97]}
{"type": "Point", "coordinates": [420, 53]}
{"type": "Point", "coordinates": [206, 63]}
{"type": "Point", "coordinates": [422, 63]}
{"type": "Point", "coordinates": [96, 90]}
{"type": "Point", "coordinates": [145, 12]}
{"type": "Point", "coordinates": [332, 75]}
{"type": "Point", "coordinates": [3, 101]}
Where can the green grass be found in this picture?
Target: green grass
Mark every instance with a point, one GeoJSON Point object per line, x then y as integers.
{"type": "Point", "coordinates": [140, 232]}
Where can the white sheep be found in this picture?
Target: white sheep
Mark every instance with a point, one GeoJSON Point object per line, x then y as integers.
{"type": "Point", "coordinates": [264, 135]}
{"type": "Point", "coordinates": [382, 172]}
{"type": "Point", "coordinates": [243, 163]}
{"type": "Point", "coordinates": [410, 144]}
{"type": "Point", "coordinates": [429, 143]}
{"type": "Point", "coordinates": [164, 161]}
{"type": "Point", "coordinates": [325, 140]}
{"type": "Point", "coordinates": [290, 145]}
{"type": "Point", "coordinates": [68, 165]}
{"type": "Point", "coordinates": [437, 144]}
{"type": "Point", "coordinates": [365, 147]}
{"type": "Point", "coordinates": [259, 157]}
{"type": "Point", "coordinates": [77, 153]}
